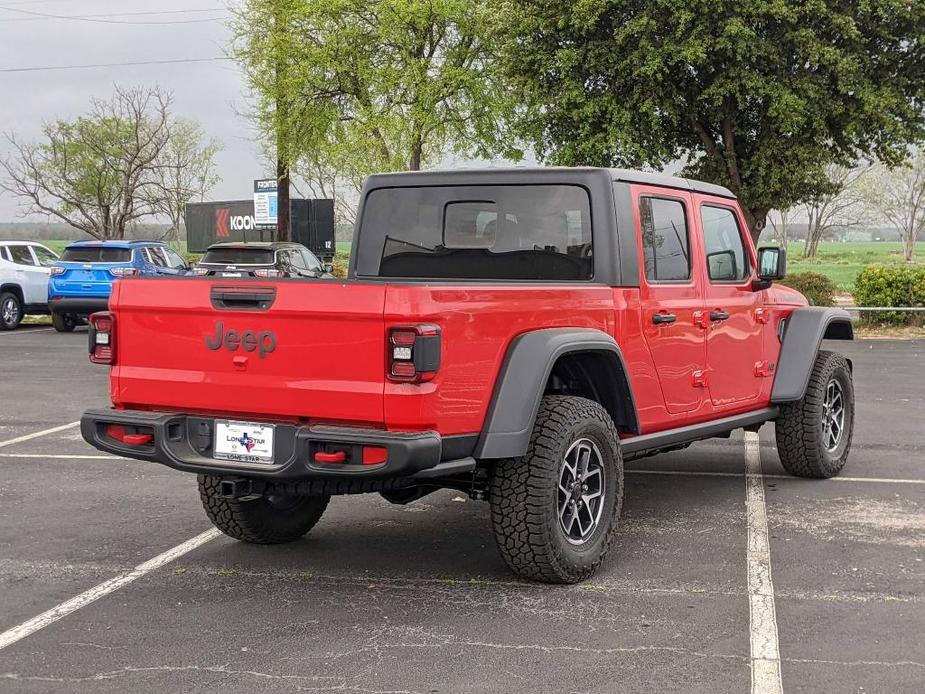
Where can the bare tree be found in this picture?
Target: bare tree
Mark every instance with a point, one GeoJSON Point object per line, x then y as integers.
{"type": "Point", "coordinates": [90, 172]}
{"type": "Point", "coordinates": [183, 171]}
{"type": "Point", "coordinates": [780, 224]}
{"type": "Point", "coordinates": [317, 177]}
{"type": "Point", "coordinates": [842, 204]}
{"type": "Point", "coordinates": [898, 197]}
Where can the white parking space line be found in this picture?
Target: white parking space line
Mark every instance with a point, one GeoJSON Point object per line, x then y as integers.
{"type": "Point", "coordinates": [696, 473]}
{"type": "Point", "coordinates": [54, 456]}
{"type": "Point", "coordinates": [37, 434]}
{"type": "Point", "coordinates": [11, 636]}
{"type": "Point", "coordinates": [765, 650]}
{"type": "Point", "coordinates": [14, 333]}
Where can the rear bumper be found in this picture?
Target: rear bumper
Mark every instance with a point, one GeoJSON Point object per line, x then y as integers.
{"type": "Point", "coordinates": [184, 442]}
{"type": "Point", "coordinates": [81, 305]}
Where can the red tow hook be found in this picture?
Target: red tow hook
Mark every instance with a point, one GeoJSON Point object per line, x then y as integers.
{"type": "Point", "coordinates": [137, 439]}
{"type": "Point", "coordinates": [336, 457]}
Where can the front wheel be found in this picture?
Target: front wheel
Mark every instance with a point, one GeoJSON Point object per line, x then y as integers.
{"type": "Point", "coordinates": [555, 510]}
{"type": "Point", "coordinates": [267, 520]}
{"type": "Point", "coordinates": [814, 434]}
{"type": "Point", "coordinates": [10, 311]}
{"type": "Point", "coordinates": [63, 322]}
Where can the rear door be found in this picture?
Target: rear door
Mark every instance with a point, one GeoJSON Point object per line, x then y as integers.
{"type": "Point", "coordinates": [671, 295]}
{"type": "Point", "coordinates": [32, 277]}
{"type": "Point", "coordinates": [734, 339]}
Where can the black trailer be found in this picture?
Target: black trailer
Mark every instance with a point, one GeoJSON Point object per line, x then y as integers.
{"type": "Point", "coordinates": [233, 220]}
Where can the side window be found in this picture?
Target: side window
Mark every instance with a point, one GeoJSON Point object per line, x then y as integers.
{"type": "Point", "coordinates": [311, 261]}
{"type": "Point", "coordinates": [283, 259]}
{"type": "Point", "coordinates": [21, 255]}
{"type": "Point", "coordinates": [297, 259]}
{"type": "Point", "coordinates": [4, 253]}
{"type": "Point", "coordinates": [157, 256]}
{"type": "Point", "coordinates": [173, 259]}
{"type": "Point", "coordinates": [665, 240]}
{"type": "Point", "coordinates": [45, 257]}
{"type": "Point", "coordinates": [727, 260]}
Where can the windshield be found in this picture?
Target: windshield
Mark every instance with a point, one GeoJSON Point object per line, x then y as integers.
{"type": "Point", "coordinates": [97, 254]}
{"type": "Point", "coordinates": [536, 232]}
{"type": "Point", "coordinates": [238, 256]}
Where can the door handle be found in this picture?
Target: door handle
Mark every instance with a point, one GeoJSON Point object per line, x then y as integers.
{"type": "Point", "coordinates": [664, 318]}
{"type": "Point", "coordinates": [718, 315]}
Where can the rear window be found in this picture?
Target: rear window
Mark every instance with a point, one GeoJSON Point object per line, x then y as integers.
{"type": "Point", "coordinates": [536, 232]}
{"type": "Point", "coordinates": [238, 256]}
{"type": "Point", "coordinates": [92, 254]}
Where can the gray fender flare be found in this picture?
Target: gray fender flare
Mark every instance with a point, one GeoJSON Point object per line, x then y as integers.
{"type": "Point", "coordinates": [803, 335]}
{"type": "Point", "coordinates": [522, 380]}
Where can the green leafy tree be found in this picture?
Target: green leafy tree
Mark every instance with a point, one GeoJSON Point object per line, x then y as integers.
{"type": "Point", "coordinates": [759, 96]}
{"type": "Point", "coordinates": [358, 86]}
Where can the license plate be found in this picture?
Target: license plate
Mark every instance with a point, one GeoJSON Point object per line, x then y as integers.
{"type": "Point", "coordinates": [243, 442]}
{"type": "Point", "coordinates": [232, 274]}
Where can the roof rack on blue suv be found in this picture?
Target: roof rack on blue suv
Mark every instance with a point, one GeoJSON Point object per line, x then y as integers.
{"type": "Point", "coordinates": [81, 282]}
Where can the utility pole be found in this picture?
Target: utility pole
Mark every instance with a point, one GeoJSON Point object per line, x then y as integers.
{"type": "Point", "coordinates": [284, 222]}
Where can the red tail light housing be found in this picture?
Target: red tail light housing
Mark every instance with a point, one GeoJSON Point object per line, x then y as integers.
{"type": "Point", "coordinates": [124, 271]}
{"type": "Point", "coordinates": [413, 353]}
{"type": "Point", "coordinates": [102, 338]}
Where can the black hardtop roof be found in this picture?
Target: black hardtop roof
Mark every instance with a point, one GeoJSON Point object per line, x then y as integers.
{"type": "Point", "coordinates": [528, 174]}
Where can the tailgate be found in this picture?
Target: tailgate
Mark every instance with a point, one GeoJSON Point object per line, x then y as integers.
{"type": "Point", "coordinates": [308, 349]}
{"type": "Point", "coordinates": [84, 280]}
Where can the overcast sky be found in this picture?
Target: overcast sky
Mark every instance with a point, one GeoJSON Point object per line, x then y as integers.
{"type": "Point", "coordinates": [213, 93]}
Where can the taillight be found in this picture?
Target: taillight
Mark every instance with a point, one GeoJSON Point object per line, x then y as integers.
{"type": "Point", "coordinates": [267, 272]}
{"type": "Point", "coordinates": [57, 271]}
{"type": "Point", "coordinates": [200, 271]}
{"type": "Point", "coordinates": [414, 353]}
{"type": "Point", "coordinates": [123, 271]}
{"type": "Point", "coordinates": [102, 338]}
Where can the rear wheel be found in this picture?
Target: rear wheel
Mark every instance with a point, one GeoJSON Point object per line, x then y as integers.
{"type": "Point", "coordinates": [10, 311]}
{"type": "Point", "coordinates": [64, 322]}
{"type": "Point", "coordinates": [555, 510]}
{"type": "Point", "coordinates": [267, 520]}
{"type": "Point", "coordinates": [814, 434]}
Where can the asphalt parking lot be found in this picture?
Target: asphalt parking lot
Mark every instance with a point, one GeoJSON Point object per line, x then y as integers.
{"type": "Point", "coordinates": [382, 598]}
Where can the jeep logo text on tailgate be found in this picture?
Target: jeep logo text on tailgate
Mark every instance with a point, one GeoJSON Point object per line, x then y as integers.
{"type": "Point", "coordinates": [263, 342]}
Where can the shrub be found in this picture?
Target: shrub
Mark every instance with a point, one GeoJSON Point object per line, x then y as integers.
{"type": "Point", "coordinates": [882, 285]}
{"type": "Point", "coordinates": [815, 286]}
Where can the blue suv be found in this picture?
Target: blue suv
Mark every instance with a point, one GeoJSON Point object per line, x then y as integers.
{"type": "Point", "coordinates": [81, 280]}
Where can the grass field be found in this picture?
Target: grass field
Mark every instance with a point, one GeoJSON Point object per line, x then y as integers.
{"type": "Point", "coordinates": [843, 262]}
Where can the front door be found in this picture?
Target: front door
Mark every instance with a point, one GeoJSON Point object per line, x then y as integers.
{"type": "Point", "coordinates": [734, 309]}
{"type": "Point", "coordinates": [671, 297]}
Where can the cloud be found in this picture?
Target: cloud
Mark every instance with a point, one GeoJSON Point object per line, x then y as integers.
{"type": "Point", "coordinates": [212, 93]}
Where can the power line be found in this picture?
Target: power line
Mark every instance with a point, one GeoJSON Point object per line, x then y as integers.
{"type": "Point", "coordinates": [7, 20]}
{"type": "Point", "coordinates": [97, 65]}
{"type": "Point", "coordinates": [90, 18]}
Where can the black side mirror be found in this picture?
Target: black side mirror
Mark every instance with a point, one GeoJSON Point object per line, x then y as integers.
{"type": "Point", "coordinates": [772, 263]}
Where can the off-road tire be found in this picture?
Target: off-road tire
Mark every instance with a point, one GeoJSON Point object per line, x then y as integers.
{"type": "Point", "coordinates": [524, 501]}
{"type": "Point", "coordinates": [260, 521]}
{"type": "Point", "coordinates": [63, 322]}
{"type": "Point", "coordinates": [10, 301]}
{"type": "Point", "coordinates": [799, 426]}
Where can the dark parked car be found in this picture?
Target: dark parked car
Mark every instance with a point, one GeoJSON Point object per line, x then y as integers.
{"type": "Point", "coordinates": [260, 259]}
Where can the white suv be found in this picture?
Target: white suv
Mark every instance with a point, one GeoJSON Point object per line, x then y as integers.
{"type": "Point", "coordinates": [24, 271]}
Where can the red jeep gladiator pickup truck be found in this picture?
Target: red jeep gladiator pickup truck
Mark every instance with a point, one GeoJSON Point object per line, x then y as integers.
{"type": "Point", "coordinates": [512, 334]}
